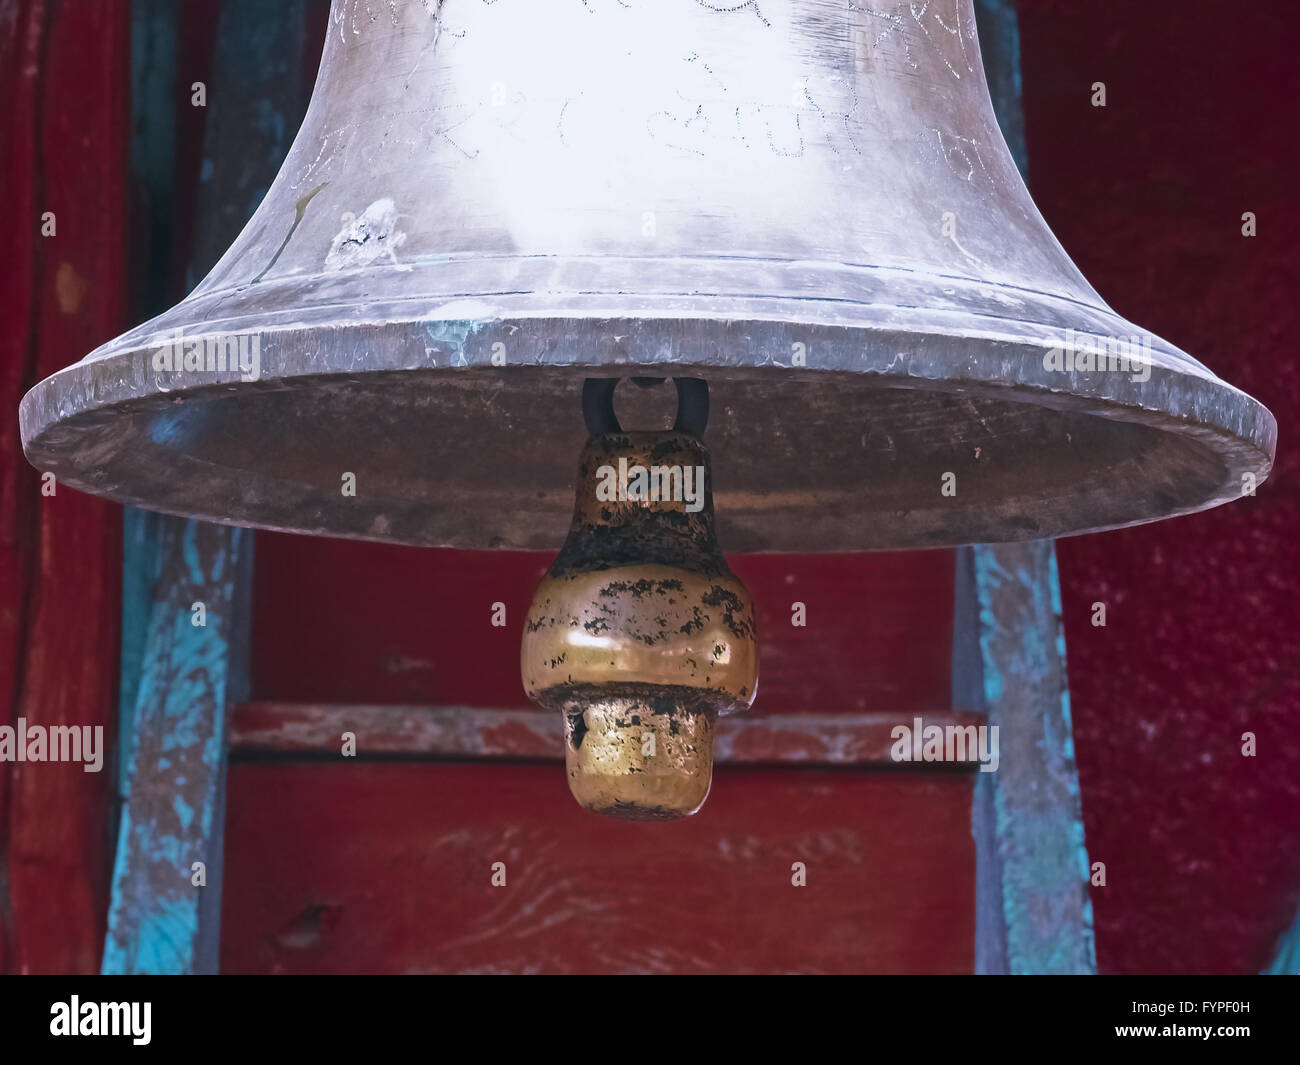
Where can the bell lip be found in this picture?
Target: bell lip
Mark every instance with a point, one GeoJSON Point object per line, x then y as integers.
{"type": "Point", "coordinates": [1000, 361]}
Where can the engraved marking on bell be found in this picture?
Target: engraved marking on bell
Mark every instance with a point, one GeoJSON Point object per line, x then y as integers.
{"type": "Point", "coordinates": [366, 237]}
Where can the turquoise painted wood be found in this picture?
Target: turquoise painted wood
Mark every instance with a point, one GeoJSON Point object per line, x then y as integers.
{"type": "Point", "coordinates": [164, 915]}
{"type": "Point", "coordinates": [1033, 863]}
{"type": "Point", "coordinates": [153, 153]}
{"type": "Point", "coordinates": [187, 585]}
{"type": "Point", "coordinates": [1033, 910]}
{"type": "Point", "coordinates": [1287, 960]}
{"type": "Point", "coordinates": [141, 560]}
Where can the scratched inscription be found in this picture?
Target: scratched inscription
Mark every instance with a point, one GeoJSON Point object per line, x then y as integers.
{"type": "Point", "coordinates": [770, 87]}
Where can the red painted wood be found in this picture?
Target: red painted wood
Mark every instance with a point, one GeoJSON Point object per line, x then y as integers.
{"type": "Point", "coordinates": [1202, 846]}
{"type": "Point", "coordinates": [64, 77]}
{"type": "Point", "coordinates": [338, 621]}
{"type": "Point", "coordinates": [387, 868]}
{"type": "Point", "coordinates": [19, 58]}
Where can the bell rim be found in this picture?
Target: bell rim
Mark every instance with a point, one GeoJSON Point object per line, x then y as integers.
{"type": "Point", "coordinates": [1201, 409]}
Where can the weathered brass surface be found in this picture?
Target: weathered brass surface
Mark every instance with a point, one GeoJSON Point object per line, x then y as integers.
{"type": "Point", "coordinates": [639, 633]}
{"type": "Point", "coordinates": [642, 624]}
{"type": "Point", "coordinates": [638, 757]}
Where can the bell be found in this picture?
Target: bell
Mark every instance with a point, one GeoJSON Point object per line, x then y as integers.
{"type": "Point", "coordinates": [808, 205]}
{"type": "Point", "coordinates": [640, 634]}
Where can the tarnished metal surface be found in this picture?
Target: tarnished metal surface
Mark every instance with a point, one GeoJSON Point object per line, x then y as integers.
{"type": "Point", "coordinates": [639, 634]}
{"type": "Point", "coordinates": [806, 202]}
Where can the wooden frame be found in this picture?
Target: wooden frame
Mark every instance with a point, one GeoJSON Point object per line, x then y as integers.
{"type": "Point", "coordinates": [1033, 912]}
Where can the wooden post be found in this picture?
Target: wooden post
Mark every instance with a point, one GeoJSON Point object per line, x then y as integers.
{"type": "Point", "coordinates": [196, 578]}
{"type": "Point", "coordinates": [1033, 912]}
{"type": "Point", "coordinates": [165, 914]}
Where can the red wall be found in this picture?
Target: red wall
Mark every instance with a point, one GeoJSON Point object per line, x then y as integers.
{"type": "Point", "coordinates": [347, 866]}
{"type": "Point", "coordinates": [337, 621]}
{"type": "Point", "coordinates": [1202, 845]}
{"type": "Point", "coordinates": [64, 129]}
{"type": "Point", "coordinates": [386, 867]}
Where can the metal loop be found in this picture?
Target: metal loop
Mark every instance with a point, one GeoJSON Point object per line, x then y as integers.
{"type": "Point", "coordinates": [598, 404]}
{"type": "Point", "coordinates": [692, 405]}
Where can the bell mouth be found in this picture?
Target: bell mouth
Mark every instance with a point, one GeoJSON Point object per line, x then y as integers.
{"type": "Point", "coordinates": [806, 459]}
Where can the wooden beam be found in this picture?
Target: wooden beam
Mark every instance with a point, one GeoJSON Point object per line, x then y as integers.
{"type": "Point", "coordinates": [465, 732]}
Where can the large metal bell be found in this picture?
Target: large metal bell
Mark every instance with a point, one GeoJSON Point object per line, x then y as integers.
{"type": "Point", "coordinates": [807, 203]}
